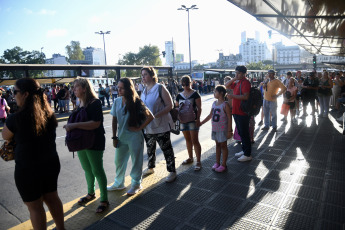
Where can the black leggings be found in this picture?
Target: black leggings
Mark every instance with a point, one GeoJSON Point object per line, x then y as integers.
{"type": "Point", "coordinates": [164, 142]}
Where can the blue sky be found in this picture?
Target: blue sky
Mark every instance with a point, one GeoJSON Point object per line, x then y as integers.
{"type": "Point", "coordinates": [53, 24]}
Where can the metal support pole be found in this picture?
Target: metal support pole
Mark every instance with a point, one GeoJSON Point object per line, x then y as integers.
{"type": "Point", "coordinates": [190, 56]}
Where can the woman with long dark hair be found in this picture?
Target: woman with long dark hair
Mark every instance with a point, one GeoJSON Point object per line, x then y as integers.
{"type": "Point", "coordinates": [91, 159]}
{"type": "Point", "coordinates": [33, 129]}
{"type": "Point", "coordinates": [130, 116]}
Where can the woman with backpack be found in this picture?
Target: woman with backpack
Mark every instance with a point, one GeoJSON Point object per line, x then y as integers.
{"type": "Point", "coordinates": [130, 116]}
{"type": "Point", "coordinates": [91, 159]}
{"type": "Point", "coordinates": [157, 98]}
{"type": "Point", "coordinates": [37, 165]}
{"type": "Point", "coordinates": [189, 102]}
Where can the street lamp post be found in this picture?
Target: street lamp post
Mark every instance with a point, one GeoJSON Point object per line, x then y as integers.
{"type": "Point", "coordinates": [105, 56]}
{"type": "Point", "coordinates": [193, 7]}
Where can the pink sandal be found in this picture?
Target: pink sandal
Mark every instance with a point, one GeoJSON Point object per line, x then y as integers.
{"type": "Point", "coordinates": [216, 165]}
{"type": "Point", "coordinates": [220, 169]}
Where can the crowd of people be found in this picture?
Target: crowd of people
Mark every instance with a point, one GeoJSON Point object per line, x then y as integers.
{"type": "Point", "coordinates": [143, 118]}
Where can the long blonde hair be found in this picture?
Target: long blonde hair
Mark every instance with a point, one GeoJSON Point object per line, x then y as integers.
{"type": "Point", "coordinates": [90, 93]}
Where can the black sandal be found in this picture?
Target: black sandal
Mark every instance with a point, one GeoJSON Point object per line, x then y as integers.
{"type": "Point", "coordinates": [102, 207]}
{"type": "Point", "coordinates": [85, 200]}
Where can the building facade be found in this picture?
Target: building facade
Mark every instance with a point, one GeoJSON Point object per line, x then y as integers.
{"type": "Point", "coordinates": [286, 55]}
{"type": "Point", "coordinates": [56, 59]}
{"type": "Point", "coordinates": [228, 61]}
{"type": "Point", "coordinates": [252, 50]}
{"type": "Point", "coordinates": [95, 56]}
{"type": "Point", "coordinates": [170, 49]}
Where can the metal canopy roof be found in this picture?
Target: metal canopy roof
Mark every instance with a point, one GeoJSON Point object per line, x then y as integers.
{"type": "Point", "coordinates": [316, 25]}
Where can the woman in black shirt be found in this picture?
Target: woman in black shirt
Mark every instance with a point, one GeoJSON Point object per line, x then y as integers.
{"type": "Point", "coordinates": [91, 159]}
{"type": "Point", "coordinates": [33, 128]}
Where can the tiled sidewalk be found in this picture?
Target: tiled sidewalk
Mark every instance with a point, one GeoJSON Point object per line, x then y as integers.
{"type": "Point", "coordinates": [295, 181]}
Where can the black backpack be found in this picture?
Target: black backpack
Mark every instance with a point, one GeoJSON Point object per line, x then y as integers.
{"type": "Point", "coordinates": [253, 105]}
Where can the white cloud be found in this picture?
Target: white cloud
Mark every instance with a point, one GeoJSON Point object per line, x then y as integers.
{"type": "Point", "coordinates": [47, 12]}
{"type": "Point", "coordinates": [56, 33]}
{"type": "Point", "coordinates": [27, 11]}
{"type": "Point", "coordinates": [94, 19]}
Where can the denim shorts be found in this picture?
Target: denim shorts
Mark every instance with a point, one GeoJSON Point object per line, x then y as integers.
{"type": "Point", "coordinates": [219, 136]}
{"type": "Point", "coordinates": [190, 126]}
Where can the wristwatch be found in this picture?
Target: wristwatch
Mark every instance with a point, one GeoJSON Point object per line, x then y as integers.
{"type": "Point", "coordinates": [115, 138]}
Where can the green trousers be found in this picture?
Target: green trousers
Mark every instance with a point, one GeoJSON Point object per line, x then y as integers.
{"type": "Point", "coordinates": [92, 163]}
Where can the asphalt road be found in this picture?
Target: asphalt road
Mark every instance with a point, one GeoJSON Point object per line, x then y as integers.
{"type": "Point", "coordinates": [72, 182]}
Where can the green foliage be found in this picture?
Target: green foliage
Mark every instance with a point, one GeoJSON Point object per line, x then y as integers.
{"type": "Point", "coordinates": [258, 66]}
{"type": "Point", "coordinates": [74, 51]}
{"type": "Point", "coordinates": [17, 55]}
{"type": "Point", "coordinates": [147, 55]}
{"type": "Point", "coordinates": [198, 67]}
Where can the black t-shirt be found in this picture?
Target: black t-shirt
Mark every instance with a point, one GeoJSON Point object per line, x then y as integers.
{"type": "Point", "coordinates": [32, 149]}
{"type": "Point", "coordinates": [312, 83]}
{"type": "Point", "coordinates": [95, 113]}
{"type": "Point", "coordinates": [192, 97]}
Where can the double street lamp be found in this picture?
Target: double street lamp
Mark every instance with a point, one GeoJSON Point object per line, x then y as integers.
{"type": "Point", "coordinates": [105, 56]}
{"type": "Point", "coordinates": [193, 7]}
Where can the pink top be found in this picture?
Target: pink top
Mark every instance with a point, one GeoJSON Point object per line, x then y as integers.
{"type": "Point", "coordinates": [219, 118]}
{"type": "Point", "coordinates": [3, 105]}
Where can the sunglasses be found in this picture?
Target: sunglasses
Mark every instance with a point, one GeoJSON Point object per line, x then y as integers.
{"type": "Point", "coordinates": [15, 91]}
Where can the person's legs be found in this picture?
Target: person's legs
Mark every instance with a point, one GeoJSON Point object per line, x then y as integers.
{"type": "Point", "coordinates": [107, 97]}
{"type": "Point", "coordinates": [164, 142]}
{"type": "Point", "coordinates": [136, 151]}
{"type": "Point", "coordinates": [96, 161]}
{"type": "Point", "coordinates": [327, 103]}
{"type": "Point", "coordinates": [85, 164]}
{"type": "Point", "coordinates": [197, 147]}
{"type": "Point", "coordinates": [266, 109]}
{"type": "Point", "coordinates": [102, 100]}
{"type": "Point", "coordinates": [322, 106]}
{"type": "Point", "coordinates": [121, 159]}
{"type": "Point", "coordinates": [67, 105]}
{"type": "Point", "coordinates": [150, 140]}
{"type": "Point", "coordinates": [224, 152]}
{"type": "Point", "coordinates": [55, 207]}
{"type": "Point", "coordinates": [243, 129]}
{"type": "Point", "coordinates": [218, 152]}
{"type": "Point", "coordinates": [37, 214]}
{"type": "Point", "coordinates": [189, 143]}
{"type": "Point", "coordinates": [273, 111]}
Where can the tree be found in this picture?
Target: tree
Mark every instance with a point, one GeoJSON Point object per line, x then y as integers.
{"type": "Point", "coordinates": [74, 51]}
{"type": "Point", "coordinates": [147, 55]}
{"type": "Point", "coordinates": [258, 66]}
{"type": "Point", "coordinates": [198, 67]}
{"type": "Point", "coordinates": [17, 55]}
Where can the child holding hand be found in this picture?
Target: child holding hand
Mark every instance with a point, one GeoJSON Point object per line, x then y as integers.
{"type": "Point", "coordinates": [221, 126]}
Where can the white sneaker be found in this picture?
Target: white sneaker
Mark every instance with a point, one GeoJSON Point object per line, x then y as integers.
{"type": "Point", "coordinates": [171, 177]}
{"type": "Point", "coordinates": [148, 171]}
{"type": "Point", "coordinates": [115, 188]}
{"type": "Point", "coordinates": [244, 158]}
{"type": "Point", "coordinates": [134, 190]}
{"type": "Point", "coordinates": [239, 154]}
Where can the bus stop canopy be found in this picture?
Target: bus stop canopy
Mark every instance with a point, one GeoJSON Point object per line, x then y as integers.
{"type": "Point", "coordinates": [59, 80]}
{"type": "Point", "coordinates": [316, 25]}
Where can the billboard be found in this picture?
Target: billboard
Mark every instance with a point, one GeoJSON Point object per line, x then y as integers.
{"type": "Point", "coordinates": [198, 76]}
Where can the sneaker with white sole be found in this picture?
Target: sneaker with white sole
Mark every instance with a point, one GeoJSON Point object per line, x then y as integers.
{"type": "Point", "coordinates": [134, 190]}
{"type": "Point", "coordinates": [239, 154]}
{"type": "Point", "coordinates": [148, 171]}
{"type": "Point", "coordinates": [244, 158]}
{"type": "Point", "coordinates": [171, 177]}
{"type": "Point", "coordinates": [115, 188]}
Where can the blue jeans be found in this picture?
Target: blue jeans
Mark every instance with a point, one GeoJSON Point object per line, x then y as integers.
{"type": "Point", "coordinates": [270, 107]}
{"type": "Point", "coordinates": [242, 124]}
